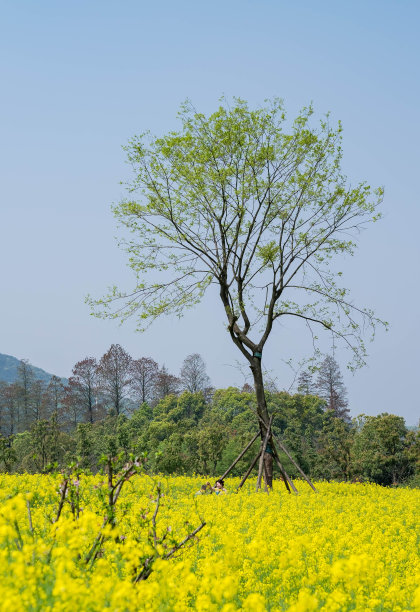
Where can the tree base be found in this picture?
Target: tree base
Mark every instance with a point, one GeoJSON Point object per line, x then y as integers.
{"type": "Point", "coordinates": [266, 462]}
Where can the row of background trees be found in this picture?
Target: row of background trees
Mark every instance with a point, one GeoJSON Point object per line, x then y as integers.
{"type": "Point", "coordinates": [116, 384]}
{"type": "Point", "coordinates": [121, 404]}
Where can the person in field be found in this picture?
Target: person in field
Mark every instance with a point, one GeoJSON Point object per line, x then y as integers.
{"type": "Point", "coordinates": [205, 489]}
{"type": "Point", "coordinates": [219, 487]}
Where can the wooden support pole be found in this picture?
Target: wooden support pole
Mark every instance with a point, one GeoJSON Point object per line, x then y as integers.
{"type": "Point", "coordinates": [264, 446]}
{"type": "Point", "coordinates": [287, 480]}
{"type": "Point", "coordinates": [249, 470]}
{"type": "Point", "coordinates": [284, 449]}
{"type": "Point", "coordinates": [266, 488]}
{"type": "Point", "coordinates": [240, 456]}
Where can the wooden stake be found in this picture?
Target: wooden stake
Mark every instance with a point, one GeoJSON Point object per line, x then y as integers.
{"type": "Point", "coordinates": [249, 470]}
{"type": "Point", "coordinates": [284, 449]}
{"type": "Point", "coordinates": [287, 480]}
{"type": "Point", "coordinates": [240, 456]}
{"type": "Point", "coordinates": [266, 489]}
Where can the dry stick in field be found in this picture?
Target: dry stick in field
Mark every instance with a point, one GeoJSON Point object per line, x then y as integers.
{"type": "Point", "coordinates": [148, 563]}
{"type": "Point", "coordinates": [159, 492]}
{"type": "Point", "coordinates": [94, 549]}
{"type": "Point", "coordinates": [147, 566]}
{"type": "Point", "coordinates": [63, 491]}
{"type": "Point", "coordinates": [184, 541]}
{"type": "Point", "coordinates": [114, 490]}
{"type": "Point", "coordinates": [230, 468]}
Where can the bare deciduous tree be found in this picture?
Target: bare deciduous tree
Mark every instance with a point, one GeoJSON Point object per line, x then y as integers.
{"type": "Point", "coordinates": [166, 384]}
{"type": "Point", "coordinates": [82, 393]}
{"type": "Point", "coordinates": [193, 374]}
{"type": "Point", "coordinates": [144, 376]}
{"type": "Point", "coordinates": [8, 408]}
{"type": "Point", "coordinates": [25, 381]}
{"type": "Point", "coordinates": [53, 398]}
{"type": "Point", "coordinates": [114, 372]}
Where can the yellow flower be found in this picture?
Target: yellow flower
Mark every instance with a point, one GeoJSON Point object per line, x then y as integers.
{"type": "Point", "coordinates": [348, 548]}
{"type": "Point", "coordinates": [254, 603]}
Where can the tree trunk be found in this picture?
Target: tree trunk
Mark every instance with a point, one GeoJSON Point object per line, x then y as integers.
{"type": "Point", "coordinates": [260, 393]}
{"type": "Point", "coordinates": [268, 469]}
{"type": "Point", "coordinates": [263, 414]}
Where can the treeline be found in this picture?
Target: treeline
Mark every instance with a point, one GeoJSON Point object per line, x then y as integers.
{"type": "Point", "coordinates": [183, 425]}
{"type": "Point", "coordinates": [115, 384]}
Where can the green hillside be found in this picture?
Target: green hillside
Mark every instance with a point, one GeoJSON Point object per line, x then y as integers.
{"type": "Point", "coordinates": [9, 370]}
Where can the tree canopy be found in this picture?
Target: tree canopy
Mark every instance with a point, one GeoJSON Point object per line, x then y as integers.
{"type": "Point", "coordinates": [259, 207]}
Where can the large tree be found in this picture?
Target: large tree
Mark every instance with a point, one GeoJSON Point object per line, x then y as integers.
{"type": "Point", "coordinates": [193, 374]}
{"type": "Point", "coordinates": [25, 382]}
{"type": "Point", "coordinates": [330, 386]}
{"type": "Point", "coordinates": [165, 384]}
{"type": "Point", "coordinates": [9, 407]}
{"type": "Point", "coordinates": [83, 390]}
{"type": "Point", "coordinates": [144, 377]}
{"type": "Point", "coordinates": [305, 383]}
{"type": "Point", "coordinates": [255, 205]}
{"type": "Point", "coordinates": [54, 397]}
{"type": "Point", "coordinates": [383, 449]}
{"type": "Point", "coordinates": [115, 376]}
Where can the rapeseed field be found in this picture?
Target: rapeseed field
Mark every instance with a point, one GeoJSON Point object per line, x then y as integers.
{"type": "Point", "coordinates": [348, 547]}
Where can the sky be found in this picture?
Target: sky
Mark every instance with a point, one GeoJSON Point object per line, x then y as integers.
{"type": "Point", "coordinates": [79, 79]}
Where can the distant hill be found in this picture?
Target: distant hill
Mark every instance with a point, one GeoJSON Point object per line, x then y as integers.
{"type": "Point", "coordinates": [9, 370]}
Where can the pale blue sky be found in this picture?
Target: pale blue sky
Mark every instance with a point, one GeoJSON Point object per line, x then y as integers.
{"type": "Point", "coordinates": [79, 79]}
